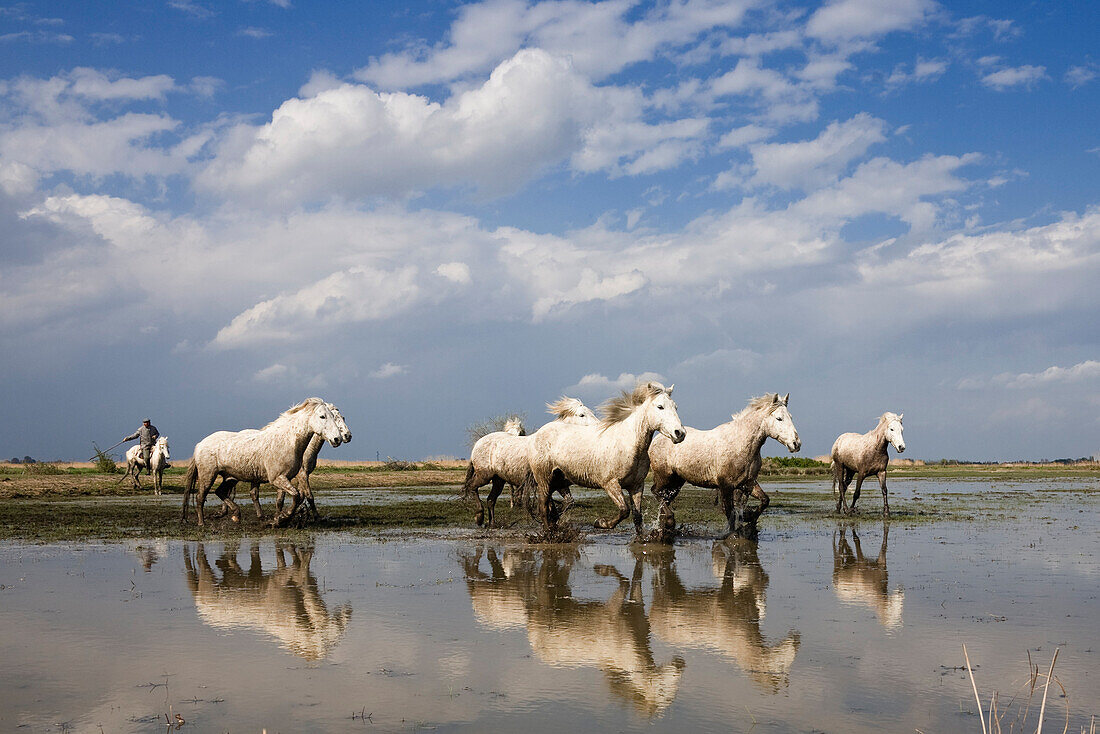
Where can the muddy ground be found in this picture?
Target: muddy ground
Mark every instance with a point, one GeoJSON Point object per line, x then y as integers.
{"type": "Point", "coordinates": [78, 504]}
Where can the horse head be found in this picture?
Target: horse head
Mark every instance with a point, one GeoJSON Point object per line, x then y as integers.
{"type": "Point", "coordinates": [894, 431]}
{"type": "Point", "coordinates": [345, 432]}
{"type": "Point", "coordinates": [662, 414]}
{"type": "Point", "coordinates": [162, 444]}
{"type": "Point", "coordinates": [322, 421]}
{"type": "Point", "coordinates": [779, 425]}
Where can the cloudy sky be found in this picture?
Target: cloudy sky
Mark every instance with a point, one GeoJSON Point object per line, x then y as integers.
{"type": "Point", "coordinates": [430, 213]}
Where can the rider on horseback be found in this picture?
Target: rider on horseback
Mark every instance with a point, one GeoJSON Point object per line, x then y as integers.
{"type": "Point", "coordinates": [148, 434]}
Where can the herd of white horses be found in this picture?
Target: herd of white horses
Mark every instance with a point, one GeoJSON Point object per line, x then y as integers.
{"type": "Point", "coordinates": [637, 432]}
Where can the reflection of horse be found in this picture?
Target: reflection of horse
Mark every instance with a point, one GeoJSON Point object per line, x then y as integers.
{"type": "Point", "coordinates": [611, 455]}
{"type": "Point", "coordinates": [532, 589]}
{"type": "Point", "coordinates": [864, 454]}
{"type": "Point", "coordinates": [502, 456]}
{"type": "Point", "coordinates": [724, 619]}
{"type": "Point", "coordinates": [271, 454]}
{"type": "Point", "coordinates": [863, 582]}
{"type": "Point", "coordinates": [284, 603]}
{"type": "Point", "coordinates": [726, 458]}
{"type": "Point", "coordinates": [158, 460]}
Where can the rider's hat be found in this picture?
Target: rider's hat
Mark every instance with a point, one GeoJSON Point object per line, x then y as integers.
{"type": "Point", "coordinates": [146, 420]}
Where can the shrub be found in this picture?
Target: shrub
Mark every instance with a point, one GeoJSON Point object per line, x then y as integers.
{"type": "Point", "coordinates": [103, 462]}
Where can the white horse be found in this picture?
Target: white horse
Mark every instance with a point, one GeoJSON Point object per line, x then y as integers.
{"type": "Point", "coordinates": [726, 458]}
{"type": "Point", "coordinates": [271, 454]}
{"type": "Point", "coordinates": [502, 456]}
{"type": "Point", "coordinates": [158, 460]}
{"type": "Point", "coordinates": [309, 463]}
{"type": "Point", "coordinates": [864, 454]}
{"type": "Point", "coordinates": [612, 455]}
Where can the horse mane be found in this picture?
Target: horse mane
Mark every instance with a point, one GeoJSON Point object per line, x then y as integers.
{"type": "Point", "coordinates": [564, 407]}
{"type": "Point", "coordinates": [516, 423]}
{"type": "Point", "coordinates": [765, 402]}
{"type": "Point", "coordinates": [307, 404]}
{"type": "Point", "coordinates": [886, 418]}
{"type": "Point", "coordinates": [496, 424]}
{"type": "Point", "coordinates": [619, 408]}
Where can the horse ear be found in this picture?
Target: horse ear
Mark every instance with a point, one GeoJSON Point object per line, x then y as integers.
{"type": "Point", "coordinates": [786, 398]}
{"type": "Point", "coordinates": [669, 390]}
{"type": "Point", "coordinates": [900, 416]}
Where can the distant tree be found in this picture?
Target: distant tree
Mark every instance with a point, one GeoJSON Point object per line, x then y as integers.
{"type": "Point", "coordinates": [28, 460]}
{"type": "Point", "coordinates": [15, 460]}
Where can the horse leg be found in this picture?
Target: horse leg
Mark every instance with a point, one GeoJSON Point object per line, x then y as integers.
{"type": "Point", "coordinates": [305, 487]}
{"type": "Point", "coordinates": [475, 480]}
{"type": "Point", "coordinates": [205, 483]}
{"type": "Point", "coordinates": [860, 476]}
{"type": "Point", "coordinates": [759, 493]}
{"type": "Point", "coordinates": [281, 482]}
{"type": "Point", "coordinates": [254, 490]}
{"type": "Point", "coordinates": [728, 504]}
{"type": "Point", "coordinates": [636, 508]}
{"type": "Point", "coordinates": [491, 501]}
{"type": "Point", "coordinates": [616, 494]}
{"type": "Point", "coordinates": [223, 490]}
{"type": "Point", "coordinates": [885, 502]}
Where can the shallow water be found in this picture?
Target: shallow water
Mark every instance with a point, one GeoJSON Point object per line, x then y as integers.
{"type": "Point", "coordinates": [840, 627]}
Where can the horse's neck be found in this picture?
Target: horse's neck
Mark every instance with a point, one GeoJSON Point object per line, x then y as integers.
{"type": "Point", "coordinates": [295, 432]}
{"type": "Point", "coordinates": [634, 432]}
{"type": "Point", "coordinates": [748, 434]}
{"type": "Point", "coordinates": [879, 436]}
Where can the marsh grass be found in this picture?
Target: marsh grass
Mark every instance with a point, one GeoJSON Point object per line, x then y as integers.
{"type": "Point", "coordinates": [997, 715]}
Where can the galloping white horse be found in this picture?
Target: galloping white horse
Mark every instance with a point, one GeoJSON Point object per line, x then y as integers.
{"type": "Point", "coordinates": [502, 456]}
{"type": "Point", "coordinates": [271, 454]}
{"type": "Point", "coordinates": [158, 460]}
{"type": "Point", "coordinates": [864, 454]}
{"type": "Point", "coordinates": [611, 454]}
{"type": "Point", "coordinates": [726, 458]}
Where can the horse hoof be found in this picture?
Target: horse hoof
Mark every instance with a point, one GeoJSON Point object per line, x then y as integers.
{"type": "Point", "coordinates": [479, 518]}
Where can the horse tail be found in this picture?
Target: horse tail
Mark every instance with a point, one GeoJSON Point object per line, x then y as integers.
{"type": "Point", "coordinates": [189, 486]}
{"type": "Point", "coordinates": [467, 490]}
{"type": "Point", "coordinates": [529, 496]}
{"type": "Point", "coordinates": [832, 467]}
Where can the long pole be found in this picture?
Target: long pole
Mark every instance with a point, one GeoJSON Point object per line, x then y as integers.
{"type": "Point", "coordinates": [108, 449]}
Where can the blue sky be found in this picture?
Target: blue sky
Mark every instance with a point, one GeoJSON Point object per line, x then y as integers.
{"type": "Point", "coordinates": [429, 213]}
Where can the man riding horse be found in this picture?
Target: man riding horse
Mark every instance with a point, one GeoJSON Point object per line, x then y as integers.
{"type": "Point", "coordinates": [148, 434]}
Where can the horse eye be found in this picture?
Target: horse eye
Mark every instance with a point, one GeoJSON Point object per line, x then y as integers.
{"type": "Point", "coordinates": [779, 419]}
{"type": "Point", "coordinates": [660, 407]}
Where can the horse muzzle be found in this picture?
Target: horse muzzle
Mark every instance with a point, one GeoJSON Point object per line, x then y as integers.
{"type": "Point", "coordinates": [678, 435]}
{"type": "Point", "coordinates": [795, 446]}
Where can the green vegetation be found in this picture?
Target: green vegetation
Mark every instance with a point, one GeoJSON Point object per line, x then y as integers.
{"type": "Point", "coordinates": [104, 464]}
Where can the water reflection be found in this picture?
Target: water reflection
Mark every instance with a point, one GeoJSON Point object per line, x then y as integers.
{"type": "Point", "coordinates": [284, 603]}
{"type": "Point", "coordinates": [532, 590]}
{"type": "Point", "coordinates": [860, 581]}
{"type": "Point", "coordinates": [150, 554]}
{"type": "Point", "coordinates": [725, 619]}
